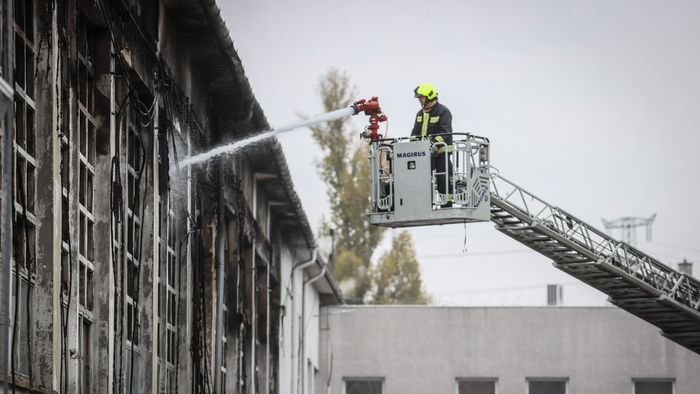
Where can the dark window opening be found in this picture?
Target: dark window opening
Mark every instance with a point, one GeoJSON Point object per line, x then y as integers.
{"type": "Point", "coordinates": [363, 386]}
{"type": "Point", "coordinates": [479, 386]}
{"type": "Point", "coordinates": [653, 387]}
{"type": "Point", "coordinates": [547, 387]}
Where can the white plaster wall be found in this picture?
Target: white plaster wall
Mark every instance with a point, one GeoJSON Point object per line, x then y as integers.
{"type": "Point", "coordinates": [424, 349]}
{"type": "Point", "coordinates": [311, 342]}
{"type": "Point", "coordinates": [290, 367]}
{"type": "Point", "coordinates": [285, 344]}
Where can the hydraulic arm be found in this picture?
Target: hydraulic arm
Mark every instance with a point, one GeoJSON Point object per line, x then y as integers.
{"type": "Point", "coordinates": [633, 280]}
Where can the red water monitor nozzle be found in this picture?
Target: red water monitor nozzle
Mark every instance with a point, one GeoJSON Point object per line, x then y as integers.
{"type": "Point", "coordinates": [372, 109]}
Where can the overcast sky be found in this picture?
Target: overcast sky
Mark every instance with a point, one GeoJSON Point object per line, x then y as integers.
{"type": "Point", "coordinates": [594, 106]}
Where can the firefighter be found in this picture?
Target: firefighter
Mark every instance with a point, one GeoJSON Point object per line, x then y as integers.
{"type": "Point", "coordinates": [434, 121]}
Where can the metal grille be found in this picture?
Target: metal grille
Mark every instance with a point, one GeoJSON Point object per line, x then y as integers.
{"type": "Point", "coordinates": [476, 386]}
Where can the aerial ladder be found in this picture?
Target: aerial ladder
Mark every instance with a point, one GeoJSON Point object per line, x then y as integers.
{"type": "Point", "coordinates": [405, 192]}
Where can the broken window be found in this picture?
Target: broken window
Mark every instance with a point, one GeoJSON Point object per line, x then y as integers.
{"type": "Point", "coordinates": [25, 178]}
{"type": "Point", "coordinates": [134, 190]}
{"type": "Point", "coordinates": [168, 297]}
{"type": "Point", "coordinates": [24, 47]}
{"type": "Point", "coordinates": [85, 145]}
{"type": "Point", "coordinates": [86, 170]}
{"type": "Point", "coordinates": [133, 231]}
{"type": "Point", "coordinates": [131, 333]}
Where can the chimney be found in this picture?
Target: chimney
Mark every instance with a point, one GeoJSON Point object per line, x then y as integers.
{"type": "Point", "coordinates": [686, 267]}
{"type": "Point", "coordinates": [555, 295]}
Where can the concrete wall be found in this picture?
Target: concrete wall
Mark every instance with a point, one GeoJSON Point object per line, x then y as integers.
{"type": "Point", "coordinates": [424, 349]}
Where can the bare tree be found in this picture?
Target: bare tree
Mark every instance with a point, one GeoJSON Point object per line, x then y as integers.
{"type": "Point", "coordinates": [345, 170]}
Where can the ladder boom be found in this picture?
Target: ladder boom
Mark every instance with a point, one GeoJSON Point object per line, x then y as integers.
{"type": "Point", "coordinates": [633, 280]}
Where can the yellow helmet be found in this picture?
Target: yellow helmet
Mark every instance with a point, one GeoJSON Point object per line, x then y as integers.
{"type": "Point", "coordinates": [426, 90]}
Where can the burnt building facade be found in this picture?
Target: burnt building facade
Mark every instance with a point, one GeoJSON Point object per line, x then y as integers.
{"type": "Point", "coordinates": [122, 270]}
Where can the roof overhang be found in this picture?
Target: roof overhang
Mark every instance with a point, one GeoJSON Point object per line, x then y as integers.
{"type": "Point", "coordinates": [239, 114]}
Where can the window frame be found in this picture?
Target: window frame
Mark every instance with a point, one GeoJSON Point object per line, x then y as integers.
{"type": "Point", "coordinates": [654, 380]}
{"type": "Point", "coordinates": [547, 379]}
{"type": "Point", "coordinates": [346, 379]}
{"type": "Point", "coordinates": [477, 379]}
{"type": "Point", "coordinates": [168, 292]}
{"type": "Point", "coordinates": [84, 141]}
{"type": "Point", "coordinates": [24, 157]}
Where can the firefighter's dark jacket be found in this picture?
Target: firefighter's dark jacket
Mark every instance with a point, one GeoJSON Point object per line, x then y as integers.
{"type": "Point", "coordinates": [436, 121]}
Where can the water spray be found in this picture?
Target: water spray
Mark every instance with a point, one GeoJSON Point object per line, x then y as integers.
{"type": "Point", "coordinates": [370, 108]}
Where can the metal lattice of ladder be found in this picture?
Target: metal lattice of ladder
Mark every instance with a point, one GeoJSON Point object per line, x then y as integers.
{"type": "Point", "coordinates": [633, 280]}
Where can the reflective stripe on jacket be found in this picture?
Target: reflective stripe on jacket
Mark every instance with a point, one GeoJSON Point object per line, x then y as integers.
{"type": "Point", "coordinates": [438, 120]}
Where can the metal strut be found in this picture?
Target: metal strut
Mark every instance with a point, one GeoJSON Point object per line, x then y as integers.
{"type": "Point", "coordinates": [633, 280]}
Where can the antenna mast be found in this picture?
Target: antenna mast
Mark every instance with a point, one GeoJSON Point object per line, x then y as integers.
{"type": "Point", "coordinates": [628, 226]}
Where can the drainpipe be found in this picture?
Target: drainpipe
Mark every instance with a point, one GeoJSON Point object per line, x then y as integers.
{"type": "Point", "coordinates": [111, 294]}
{"type": "Point", "coordinates": [303, 320]}
{"type": "Point", "coordinates": [301, 265]}
{"type": "Point", "coordinates": [220, 258]}
{"type": "Point", "coordinates": [8, 195]}
{"type": "Point", "coordinates": [156, 274]}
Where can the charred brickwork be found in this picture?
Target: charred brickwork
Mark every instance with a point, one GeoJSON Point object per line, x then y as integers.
{"type": "Point", "coordinates": [117, 249]}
